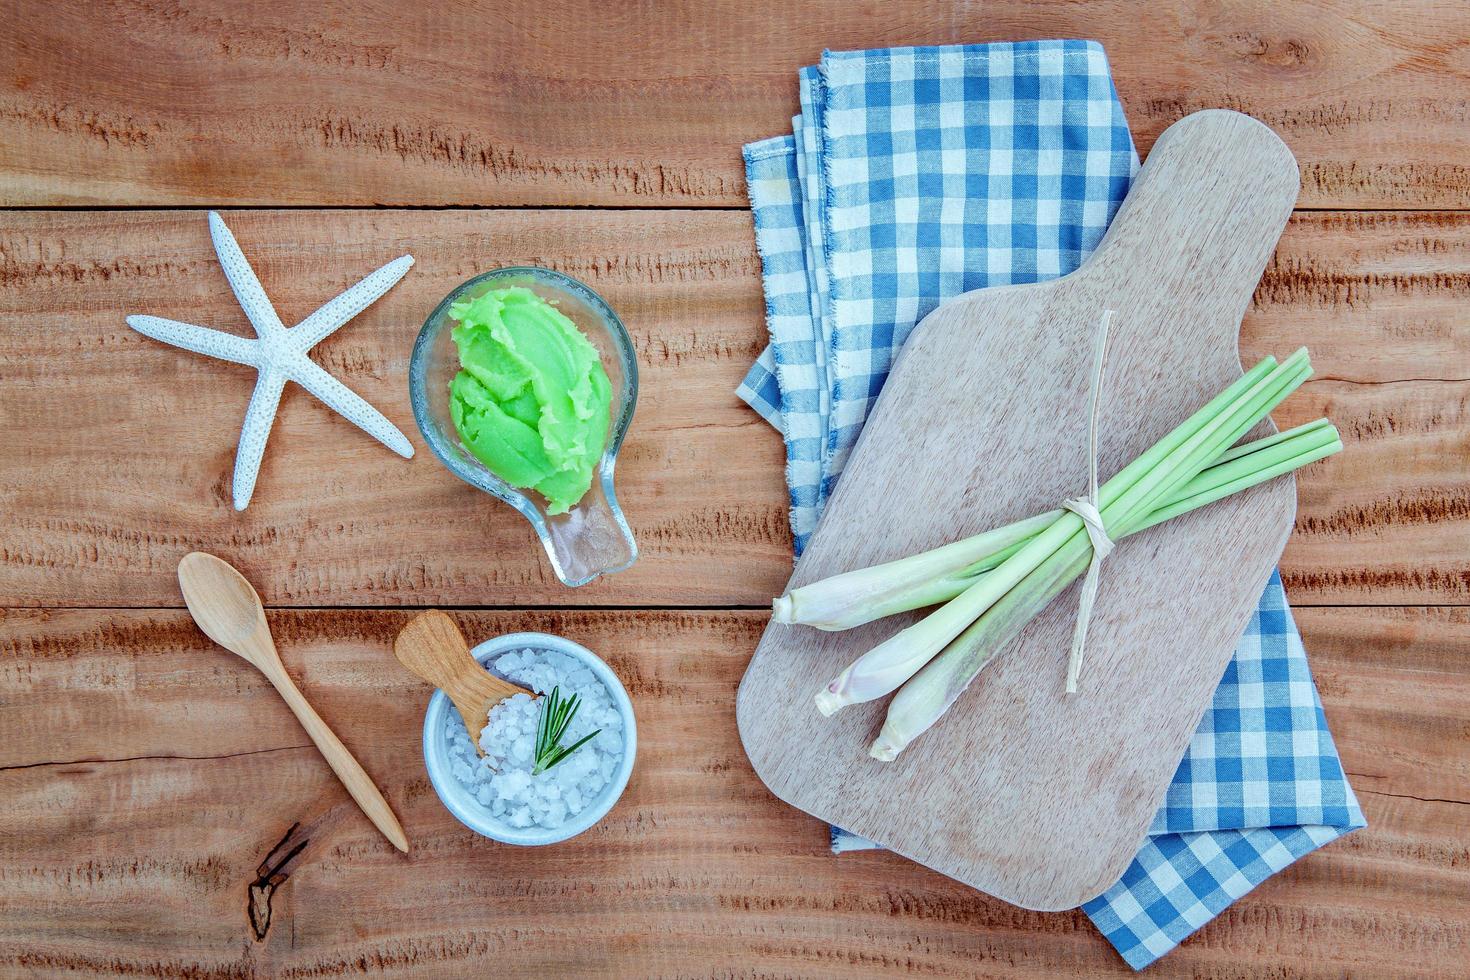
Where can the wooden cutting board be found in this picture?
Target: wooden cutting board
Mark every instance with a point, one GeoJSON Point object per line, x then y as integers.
{"type": "Point", "coordinates": [1021, 791]}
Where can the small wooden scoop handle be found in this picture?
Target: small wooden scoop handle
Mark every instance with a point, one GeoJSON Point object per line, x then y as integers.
{"type": "Point", "coordinates": [433, 648]}
{"type": "Point", "coordinates": [359, 784]}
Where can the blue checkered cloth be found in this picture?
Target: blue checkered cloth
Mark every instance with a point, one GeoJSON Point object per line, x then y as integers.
{"type": "Point", "coordinates": [916, 174]}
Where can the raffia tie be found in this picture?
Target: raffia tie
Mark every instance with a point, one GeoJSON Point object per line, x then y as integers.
{"type": "Point", "coordinates": [1087, 509]}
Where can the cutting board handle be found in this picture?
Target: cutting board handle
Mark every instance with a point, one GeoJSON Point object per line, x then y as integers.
{"type": "Point", "coordinates": [1228, 192]}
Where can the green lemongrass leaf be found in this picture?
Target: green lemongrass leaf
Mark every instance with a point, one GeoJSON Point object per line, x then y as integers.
{"type": "Point", "coordinates": [1257, 455]}
{"type": "Point", "coordinates": [881, 590]}
{"type": "Point", "coordinates": [1160, 450]}
{"type": "Point", "coordinates": [1238, 422]}
{"type": "Point", "coordinates": [1182, 440]}
{"type": "Point", "coordinates": [1233, 472]}
{"type": "Point", "coordinates": [1172, 463]}
{"type": "Point", "coordinates": [1280, 469]}
{"type": "Point", "coordinates": [910, 582]}
{"type": "Point", "coordinates": [1257, 445]}
{"type": "Point", "coordinates": [1213, 438]}
{"type": "Point", "coordinates": [1236, 469]}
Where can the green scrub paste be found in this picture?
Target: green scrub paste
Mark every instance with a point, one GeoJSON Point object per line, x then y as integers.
{"type": "Point", "coordinates": [532, 399]}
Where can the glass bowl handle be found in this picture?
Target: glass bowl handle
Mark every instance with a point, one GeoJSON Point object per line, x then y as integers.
{"type": "Point", "coordinates": [591, 539]}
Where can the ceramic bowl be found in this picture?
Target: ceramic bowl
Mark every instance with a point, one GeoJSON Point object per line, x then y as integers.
{"type": "Point", "coordinates": [593, 538]}
{"type": "Point", "coordinates": [462, 803]}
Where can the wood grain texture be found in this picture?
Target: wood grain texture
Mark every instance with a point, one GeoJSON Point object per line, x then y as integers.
{"type": "Point", "coordinates": [197, 833]}
{"type": "Point", "coordinates": [148, 844]}
{"type": "Point", "coordinates": [1380, 298]}
{"type": "Point", "coordinates": [103, 495]}
{"type": "Point", "coordinates": [156, 102]}
{"type": "Point", "coordinates": [228, 611]}
{"type": "Point", "coordinates": [124, 459]}
{"type": "Point", "coordinates": [1215, 195]}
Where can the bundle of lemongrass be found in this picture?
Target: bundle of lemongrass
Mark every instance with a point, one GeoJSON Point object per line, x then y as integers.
{"type": "Point", "coordinates": [992, 584]}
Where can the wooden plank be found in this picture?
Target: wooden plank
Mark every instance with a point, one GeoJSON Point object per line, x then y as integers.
{"type": "Point", "coordinates": [1380, 300]}
{"type": "Point", "coordinates": [1394, 684]}
{"type": "Point", "coordinates": [1379, 295]}
{"type": "Point", "coordinates": [121, 460]}
{"type": "Point", "coordinates": [565, 102]}
{"type": "Point", "coordinates": [1389, 517]}
{"type": "Point", "coordinates": [119, 450]}
{"type": "Point", "coordinates": [147, 778]}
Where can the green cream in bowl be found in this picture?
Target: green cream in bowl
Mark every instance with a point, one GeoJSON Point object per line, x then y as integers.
{"type": "Point", "coordinates": [523, 383]}
{"type": "Point", "coordinates": [531, 400]}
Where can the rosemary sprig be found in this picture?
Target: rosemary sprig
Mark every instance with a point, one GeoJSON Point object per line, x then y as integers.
{"type": "Point", "coordinates": [556, 715]}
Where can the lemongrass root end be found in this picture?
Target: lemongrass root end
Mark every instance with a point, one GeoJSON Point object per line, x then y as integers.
{"type": "Point", "coordinates": [828, 702]}
{"type": "Point", "coordinates": [884, 750]}
{"type": "Point", "coordinates": [782, 610]}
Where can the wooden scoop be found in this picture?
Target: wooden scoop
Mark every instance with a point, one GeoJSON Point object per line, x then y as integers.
{"type": "Point", "coordinates": [433, 648]}
{"type": "Point", "coordinates": [229, 612]}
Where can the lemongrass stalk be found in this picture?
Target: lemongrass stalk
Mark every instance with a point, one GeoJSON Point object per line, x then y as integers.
{"type": "Point", "coordinates": [1160, 450]}
{"type": "Point", "coordinates": [930, 693]}
{"type": "Point", "coordinates": [1229, 472]}
{"type": "Point", "coordinates": [1227, 429]}
{"type": "Point", "coordinates": [887, 666]}
{"type": "Point", "coordinates": [1191, 456]}
{"type": "Point", "coordinates": [1285, 466]}
{"type": "Point", "coordinates": [831, 604]}
{"type": "Point", "coordinates": [882, 590]}
{"type": "Point", "coordinates": [925, 698]}
{"type": "Point", "coordinates": [854, 598]}
{"type": "Point", "coordinates": [1255, 446]}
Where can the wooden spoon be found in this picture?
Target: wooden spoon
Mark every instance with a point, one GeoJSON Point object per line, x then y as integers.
{"type": "Point", "coordinates": [229, 612]}
{"type": "Point", "coordinates": [433, 648]}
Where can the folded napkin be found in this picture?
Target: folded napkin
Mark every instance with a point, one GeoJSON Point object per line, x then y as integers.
{"type": "Point", "coordinates": [916, 174]}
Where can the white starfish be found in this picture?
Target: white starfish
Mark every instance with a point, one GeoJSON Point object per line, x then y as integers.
{"type": "Point", "coordinates": [279, 354]}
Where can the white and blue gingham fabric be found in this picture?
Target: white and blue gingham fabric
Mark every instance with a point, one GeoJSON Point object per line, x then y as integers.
{"type": "Point", "coordinates": [916, 174]}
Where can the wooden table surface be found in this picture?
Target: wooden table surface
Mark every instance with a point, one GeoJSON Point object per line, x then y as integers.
{"type": "Point", "coordinates": [161, 813]}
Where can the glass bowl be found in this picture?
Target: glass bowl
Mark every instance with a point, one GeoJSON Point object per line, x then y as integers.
{"type": "Point", "coordinates": [593, 538]}
{"type": "Point", "coordinates": [463, 804]}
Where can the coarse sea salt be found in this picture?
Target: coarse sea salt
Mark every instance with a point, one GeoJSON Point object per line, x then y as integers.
{"type": "Point", "coordinates": [502, 780]}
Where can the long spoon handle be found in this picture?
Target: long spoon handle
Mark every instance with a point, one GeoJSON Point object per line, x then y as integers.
{"type": "Point", "coordinates": [347, 768]}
